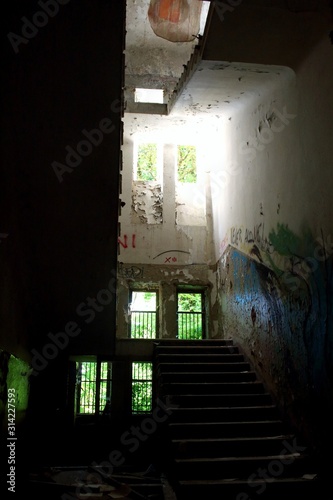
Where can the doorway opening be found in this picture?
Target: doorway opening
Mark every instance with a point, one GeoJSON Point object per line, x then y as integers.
{"type": "Point", "coordinates": [143, 314]}
{"type": "Point", "coordinates": [191, 315]}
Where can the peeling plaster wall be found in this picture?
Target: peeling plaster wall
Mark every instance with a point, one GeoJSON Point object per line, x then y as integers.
{"type": "Point", "coordinates": [147, 203]}
{"type": "Point", "coordinates": [163, 222]}
{"type": "Point", "coordinates": [273, 241]}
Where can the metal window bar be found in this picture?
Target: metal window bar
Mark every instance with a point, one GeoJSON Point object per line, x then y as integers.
{"type": "Point", "coordinates": [86, 387]}
{"type": "Point", "coordinates": [190, 325]}
{"type": "Point", "coordinates": [105, 386]}
{"type": "Point", "coordinates": [143, 324]}
{"type": "Point", "coordinates": [142, 387]}
{"type": "Point", "coordinates": [90, 393]}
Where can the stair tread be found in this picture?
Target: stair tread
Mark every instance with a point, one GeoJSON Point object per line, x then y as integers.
{"type": "Point", "coordinates": [233, 440]}
{"type": "Point", "coordinates": [198, 395]}
{"type": "Point", "coordinates": [197, 346]}
{"type": "Point", "coordinates": [240, 458]}
{"type": "Point", "coordinates": [208, 373]}
{"type": "Point", "coordinates": [247, 382]}
{"type": "Point", "coordinates": [195, 383]}
{"type": "Point", "coordinates": [202, 364]}
{"type": "Point", "coordinates": [182, 341]}
{"type": "Point", "coordinates": [252, 422]}
{"type": "Point", "coordinates": [194, 408]}
{"type": "Point", "coordinates": [188, 354]}
{"type": "Point", "coordinates": [304, 478]}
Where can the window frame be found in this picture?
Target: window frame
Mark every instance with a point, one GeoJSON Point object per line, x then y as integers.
{"type": "Point", "coordinates": [194, 289]}
{"type": "Point", "coordinates": [143, 381]}
{"type": "Point", "coordinates": [97, 381]}
{"type": "Point", "coordinates": [130, 323]}
{"type": "Point", "coordinates": [159, 160]}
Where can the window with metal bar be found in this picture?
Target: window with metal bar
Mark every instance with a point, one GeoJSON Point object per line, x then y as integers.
{"type": "Point", "coordinates": [143, 311]}
{"type": "Point", "coordinates": [190, 316]}
{"type": "Point", "coordinates": [142, 387]}
{"type": "Point", "coordinates": [93, 387]}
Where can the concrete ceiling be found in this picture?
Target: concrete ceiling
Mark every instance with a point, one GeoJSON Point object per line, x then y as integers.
{"type": "Point", "coordinates": [246, 50]}
{"type": "Point", "coordinates": [152, 61]}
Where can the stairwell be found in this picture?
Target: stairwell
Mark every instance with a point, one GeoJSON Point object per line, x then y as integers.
{"type": "Point", "coordinates": [224, 436]}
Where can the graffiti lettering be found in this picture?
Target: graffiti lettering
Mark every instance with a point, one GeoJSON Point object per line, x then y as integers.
{"type": "Point", "coordinates": [124, 242]}
{"type": "Point", "coordinates": [235, 236]}
{"type": "Point", "coordinates": [257, 235]}
{"type": "Point", "coordinates": [169, 259]}
{"type": "Point", "coordinates": [131, 272]}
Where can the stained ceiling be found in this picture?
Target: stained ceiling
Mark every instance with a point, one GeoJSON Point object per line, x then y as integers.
{"type": "Point", "coordinates": [251, 47]}
{"type": "Point", "coordinates": [152, 61]}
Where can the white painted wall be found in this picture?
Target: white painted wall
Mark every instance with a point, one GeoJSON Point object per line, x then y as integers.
{"type": "Point", "coordinates": [285, 174]}
{"type": "Point", "coordinates": [252, 186]}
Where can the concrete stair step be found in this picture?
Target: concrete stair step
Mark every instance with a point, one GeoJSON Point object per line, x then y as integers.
{"type": "Point", "coordinates": [238, 367]}
{"type": "Point", "coordinates": [198, 358]}
{"type": "Point", "coordinates": [218, 400]}
{"type": "Point", "coordinates": [227, 414]}
{"type": "Point", "coordinates": [207, 377]}
{"type": "Point", "coordinates": [224, 447]}
{"type": "Point", "coordinates": [173, 388]}
{"type": "Point", "coordinates": [273, 488]}
{"type": "Point", "coordinates": [255, 428]}
{"type": "Point", "coordinates": [224, 430]}
{"type": "Point", "coordinates": [197, 349]}
{"type": "Point", "coordinates": [287, 465]}
{"type": "Point", "coordinates": [198, 342]}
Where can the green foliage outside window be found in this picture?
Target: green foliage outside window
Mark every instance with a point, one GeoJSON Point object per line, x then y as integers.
{"type": "Point", "coordinates": [189, 327]}
{"type": "Point", "coordinates": [190, 302]}
{"type": "Point", "coordinates": [189, 316]}
{"type": "Point", "coordinates": [142, 387]}
{"type": "Point", "coordinates": [147, 162]}
{"type": "Point", "coordinates": [143, 325]}
{"type": "Point", "coordinates": [87, 386]}
{"type": "Point", "coordinates": [143, 315]}
{"type": "Point", "coordinates": [187, 164]}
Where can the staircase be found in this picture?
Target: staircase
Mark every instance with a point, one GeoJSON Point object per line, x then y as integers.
{"type": "Point", "coordinates": [224, 436]}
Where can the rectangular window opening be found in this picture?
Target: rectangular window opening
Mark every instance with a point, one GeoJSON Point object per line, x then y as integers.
{"type": "Point", "coordinates": [143, 315]}
{"type": "Point", "coordinates": [153, 96]}
{"type": "Point", "coordinates": [190, 316]}
{"type": "Point", "coordinates": [187, 164]}
{"type": "Point", "coordinates": [146, 162]}
{"type": "Point", "coordinates": [142, 387]}
{"type": "Point", "coordinates": [93, 387]}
